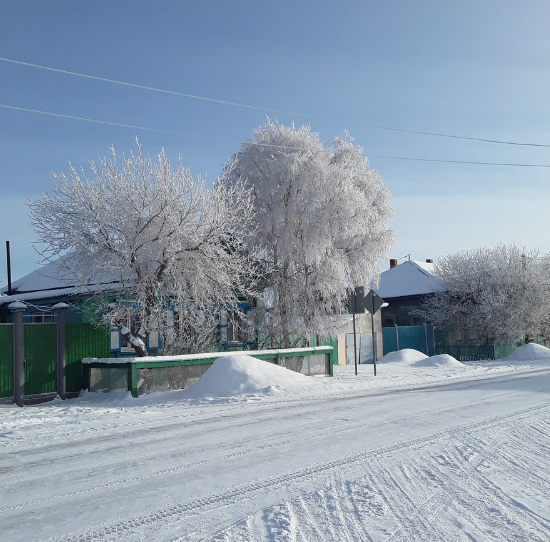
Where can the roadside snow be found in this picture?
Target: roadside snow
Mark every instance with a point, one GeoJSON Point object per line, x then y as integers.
{"type": "Point", "coordinates": [529, 352]}
{"type": "Point", "coordinates": [430, 449]}
{"type": "Point", "coordinates": [407, 355]}
{"type": "Point", "coordinates": [242, 374]}
{"type": "Point", "coordinates": [414, 358]}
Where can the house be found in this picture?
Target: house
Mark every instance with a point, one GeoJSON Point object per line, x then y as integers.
{"type": "Point", "coordinates": [41, 289]}
{"type": "Point", "coordinates": [50, 284]}
{"type": "Point", "coordinates": [404, 288]}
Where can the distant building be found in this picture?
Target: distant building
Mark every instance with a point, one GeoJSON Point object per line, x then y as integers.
{"type": "Point", "coordinates": [404, 288]}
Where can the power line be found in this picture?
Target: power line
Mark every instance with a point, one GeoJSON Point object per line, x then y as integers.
{"type": "Point", "coordinates": [457, 161]}
{"type": "Point", "coordinates": [271, 110]}
{"type": "Point", "coordinates": [200, 136]}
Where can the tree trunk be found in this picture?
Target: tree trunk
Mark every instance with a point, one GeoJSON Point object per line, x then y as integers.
{"type": "Point", "coordinates": [137, 343]}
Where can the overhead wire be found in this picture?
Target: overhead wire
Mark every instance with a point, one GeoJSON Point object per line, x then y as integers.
{"type": "Point", "coordinates": [272, 110]}
{"type": "Point", "coordinates": [201, 136]}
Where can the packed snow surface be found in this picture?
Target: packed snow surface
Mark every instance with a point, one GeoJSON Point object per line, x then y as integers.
{"type": "Point", "coordinates": [242, 374]}
{"type": "Point", "coordinates": [529, 352]}
{"type": "Point", "coordinates": [439, 452]}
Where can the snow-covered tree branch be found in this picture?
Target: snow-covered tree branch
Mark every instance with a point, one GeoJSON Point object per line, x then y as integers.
{"type": "Point", "coordinates": [323, 216]}
{"type": "Point", "coordinates": [492, 294]}
{"type": "Point", "coordinates": [158, 238]}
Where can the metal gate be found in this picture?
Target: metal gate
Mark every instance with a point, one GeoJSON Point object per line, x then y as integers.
{"type": "Point", "coordinates": [364, 348]}
{"type": "Point", "coordinates": [40, 354]}
{"type": "Point", "coordinates": [82, 340]}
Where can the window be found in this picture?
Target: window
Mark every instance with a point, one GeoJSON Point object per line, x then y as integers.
{"type": "Point", "coordinates": [235, 327]}
{"type": "Point", "coordinates": [39, 318]}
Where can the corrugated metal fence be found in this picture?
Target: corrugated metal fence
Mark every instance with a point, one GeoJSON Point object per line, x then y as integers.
{"type": "Point", "coordinates": [82, 341]}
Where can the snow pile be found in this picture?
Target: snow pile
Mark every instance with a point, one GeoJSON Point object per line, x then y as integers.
{"type": "Point", "coordinates": [407, 355]}
{"type": "Point", "coordinates": [414, 358]}
{"type": "Point", "coordinates": [242, 374]}
{"type": "Point", "coordinates": [442, 360]}
{"type": "Point", "coordinates": [529, 352]}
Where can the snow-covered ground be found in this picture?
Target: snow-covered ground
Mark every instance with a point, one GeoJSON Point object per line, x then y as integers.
{"type": "Point", "coordinates": [430, 449]}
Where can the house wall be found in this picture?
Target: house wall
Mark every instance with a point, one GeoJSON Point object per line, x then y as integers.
{"type": "Point", "coordinates": [400, 310]}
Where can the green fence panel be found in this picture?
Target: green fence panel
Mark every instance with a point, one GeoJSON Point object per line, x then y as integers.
{"type": "Point", "coordinates": [40, 354]}
{"type": "Point", "coordinates": [83, 341]}
{"type": "Point", "coordinates": [6, 360]}
{"type": "Point", "coordinates": [326, 341]}
{"type": "Point", "coordinates": [467, 352]}
{"type": "Point", "coordinates": [421, 338]}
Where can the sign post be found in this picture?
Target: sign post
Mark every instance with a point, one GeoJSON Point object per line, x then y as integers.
{"type": "Point", "coordinates": [372, 303]}
{"type": "Point", "coordinates": [357, 299]}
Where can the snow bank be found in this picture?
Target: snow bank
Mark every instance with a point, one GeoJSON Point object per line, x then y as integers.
{"type": "Point", "coordinates": [407, 355]}
{"type": "Point", "coordinates": [442, 360]}
{"type": "Point", "coordinates": [529, 352]}
{"type": "Point", "coordinates": [242, 374]}
{"type": "Point", "coordinates": [414, 358]}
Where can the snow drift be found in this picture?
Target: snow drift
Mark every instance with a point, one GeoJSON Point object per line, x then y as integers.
{"type": "Point", "coordinates": [242, 374]}
{"type": "Point", "coordinates": [442, 360]}
{"type": "Point", "coordinates": [414, 358]}
{"type": "Point", "coordinates": [529, 352]}
{"type": "Point", "coordinates": [407, 355]}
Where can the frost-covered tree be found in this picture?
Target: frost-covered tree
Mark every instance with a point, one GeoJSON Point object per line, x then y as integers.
{"type": "Point", "coordinates": [167, 247]}
{"type": "Point", "coordinates": [498, 293]}
{"type": "Point", "coordinates": [323, 216]}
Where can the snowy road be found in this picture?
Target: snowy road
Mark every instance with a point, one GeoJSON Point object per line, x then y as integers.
{"type": "Point", "coordinates": [461, 456]}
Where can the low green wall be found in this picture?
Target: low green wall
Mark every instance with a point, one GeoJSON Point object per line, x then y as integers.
{"type": "Point", "coordinates": [124, 373]}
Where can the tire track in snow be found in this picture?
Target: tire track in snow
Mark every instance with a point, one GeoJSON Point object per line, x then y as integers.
{"type": "Point", "coordinates": [496, 458]}
{"type": "Point", "coordinates": [172, 514]}
{"type": "Point", "coordinates": [318, 433]}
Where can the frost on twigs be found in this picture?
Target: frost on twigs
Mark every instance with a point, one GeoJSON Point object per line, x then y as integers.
{"type": "Point", "coordinates": [323, 216]}
{"type": "Point", "coordinates": [150, 241]}
{"type": "Point", "coordinates": [499, 293]}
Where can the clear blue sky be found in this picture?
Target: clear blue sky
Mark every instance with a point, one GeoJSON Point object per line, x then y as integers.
{"type": "Point", "coordinates": [470, 68]}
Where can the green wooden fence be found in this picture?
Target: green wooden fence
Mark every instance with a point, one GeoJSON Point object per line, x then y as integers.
{"type": "Point", "coordinates": [6, 360]}
{"type": "Point", "coordinates": [82, 341]}
{"type": "Point", "coordinates": [39, 356]}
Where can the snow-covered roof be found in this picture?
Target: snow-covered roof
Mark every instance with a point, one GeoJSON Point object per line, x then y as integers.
{"type": "Point", "coordinates": [48, 277]}
{"type": "Point", "coordinates": [409, 278]}
{"type": "Point", "coordinates": [50, 280]}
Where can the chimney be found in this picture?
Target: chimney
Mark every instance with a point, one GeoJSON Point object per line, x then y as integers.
{"type": "Point", "coordinates": [393, 263]}
{"type": "Point", "coordinates": [429, 260]}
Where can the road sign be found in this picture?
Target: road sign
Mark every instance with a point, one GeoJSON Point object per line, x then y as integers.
{"type": "Point", "coordinates": [373, 302]}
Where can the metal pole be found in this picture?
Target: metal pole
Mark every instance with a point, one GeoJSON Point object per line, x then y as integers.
{"type": "Point", "coordinates": [354, 337]}
{"type": "Point", "coordinates": [373, 335]}
{"type": "Point", "coordinates": [397, 337]}
{"type": "Point", "coordinates": [17, 309]}
{"type": "Point", "coordinates": [8, 263]}
{"type": "Point", "coordinates": [61, 378]}
{"type": "Point", "coordinates": [433, 338]}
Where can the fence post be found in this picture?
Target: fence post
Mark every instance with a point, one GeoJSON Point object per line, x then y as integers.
{"type": "Point", "coordinates": [426, 337]}
{"type": "Point", "coordinates": [60, 373]}
{"type": "Point", "coordinates": [18, 308]}
{"type": "Point", "coordinates": [397, 337]}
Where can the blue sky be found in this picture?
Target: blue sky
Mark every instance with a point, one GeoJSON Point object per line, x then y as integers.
{"type": "Point", "coordinates": [470, 68]}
